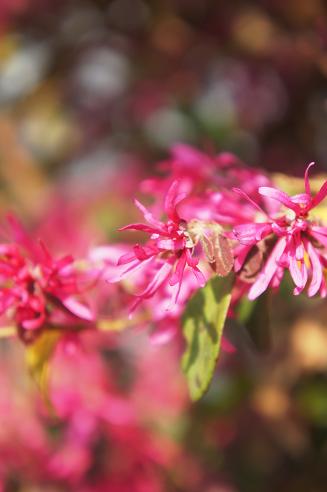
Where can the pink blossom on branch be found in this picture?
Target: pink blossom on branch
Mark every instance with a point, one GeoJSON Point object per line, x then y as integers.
{"type": "Point", "coordinates": [167, 254]}
{"type": "Point", "coordinates": [37, 289]}
{"type": "Point", "coordinates": [299, 242]}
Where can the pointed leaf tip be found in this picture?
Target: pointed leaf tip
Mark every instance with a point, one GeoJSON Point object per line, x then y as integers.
{"type": "Point", "coordinates": [203, 324]}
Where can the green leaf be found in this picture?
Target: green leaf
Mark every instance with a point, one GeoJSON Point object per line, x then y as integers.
{"type": "Point", "coordinates": [203, 324]}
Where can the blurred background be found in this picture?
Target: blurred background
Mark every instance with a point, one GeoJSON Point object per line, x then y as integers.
{"type": "Point", "coordinates": [92, 94]}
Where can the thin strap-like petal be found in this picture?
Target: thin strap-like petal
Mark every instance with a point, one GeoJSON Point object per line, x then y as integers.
{"type": "Point", "coordinates": [143, 228]}
{"type": "Point", "coordinates": [295, 270]}
{"type": "Point", "coordinates": [268, 270]}
{"type": "Point", "coordinates": [316, 267]}
{"type": "Point", "coordinates": [199, 276]}
{"type": "Point", "coordinates": [177, 275]}
{"type": "Point", "coordinates": [246, 196]}
{"type": "Point", "coordinates": [248, 234]}
{"type": "Point", "coordinates": [280, 196]}
{"type": "Point", "coordinates": [170, 202]}
{"type": "Point", "coordinates": [148, 215]}
{"type": "Point", "coordinates": [156, 282]}
{"type": "Point", "coordinates": [320, 195]}
{"type": "Point", "coordinates": [306, 179]}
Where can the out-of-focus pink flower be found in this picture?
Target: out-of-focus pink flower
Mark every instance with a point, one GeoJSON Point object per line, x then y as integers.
{"type": "Point", "coordinates": [197, 171]}
{"type": "Point", "coordinates": [187, 165]}
{"type": "Point", "coordinates": [298, 243]}
{"type": "Point", "coordinates": [168, 253]}
{"type": "Point", "coordinates": [36, 288]}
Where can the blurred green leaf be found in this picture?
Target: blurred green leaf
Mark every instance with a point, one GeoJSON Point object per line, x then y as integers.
{"type": "Point", "coordinates": [38, 356]}
{"type": "Point", "coordinates": [312, 401]}
{"type": "Point", "coordinates": [203, 324]}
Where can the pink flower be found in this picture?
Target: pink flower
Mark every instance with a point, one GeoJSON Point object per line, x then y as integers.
{"type": "Point", "coordinates": [35, 288]}
{"type": "Point", "coordinates": [187, 165]}
{"type": "Point", "coordinates": [167, 254]}
{"type": "Point", "coordinates": [291, 240]}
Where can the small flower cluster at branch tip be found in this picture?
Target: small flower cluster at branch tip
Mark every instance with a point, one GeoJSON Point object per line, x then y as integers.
{"type": "Point", "coordinates": [290, 239]}
{"type": "Point", "coordinates": [36, 290]}
{"type": "Point", "coordinates": [169, 251]}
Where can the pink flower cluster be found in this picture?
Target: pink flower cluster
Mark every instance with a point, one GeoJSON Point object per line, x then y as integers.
{"type": "Point", "coordinates": [206, 199]}
{"type": "Point", "coordinates": [37, 290]}
{"type": "Point", "coordinates": [206, 216]}
{"type": "Point", "coordinates": [169, 251]}
{"type": "Point", "coordinates": [297, 242]}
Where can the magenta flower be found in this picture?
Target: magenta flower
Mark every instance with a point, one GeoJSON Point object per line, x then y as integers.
{"type": "Point", "coordinates": [168, 252]}
{"type": "Point", "coordinates": [290, 240]}
{"type": "Point", "coordinates": [187, 165]}
{"type": "Point", "coordinates": [35, 288]}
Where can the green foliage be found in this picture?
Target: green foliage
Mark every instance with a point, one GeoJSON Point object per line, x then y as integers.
{"type": "Point", "coordinates": [203, 324]}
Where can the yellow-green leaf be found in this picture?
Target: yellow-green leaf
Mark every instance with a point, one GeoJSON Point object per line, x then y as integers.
{"type": "Point", "coordinates": [38, 356]}
{"type": "Point", "coordinates": [203, 324]}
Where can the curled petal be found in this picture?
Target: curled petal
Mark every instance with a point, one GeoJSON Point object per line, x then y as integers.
{"type": "Point", "coordinates": [306, 179]}
{"type": "Point", "coordinates": [126, 258]}
{"type": "Point", "coordinates": [268, 270]}
{"type": "Point", "coordinates": [177, 275]}
{"type": "Point", "coordinates": [296, 270]}
{"type": "Point", "coordinates": [171, 201]}
{"type": "Point", "coordinates": [302, 199]}
{"type": "Point", "coordinates": [167, 244]}
{"type": "Point", "coordinates": [143, 228]}
{"type": "Point", "coordinates": [33, 323]}
{"type": "Point", "coordinates": [78, 309]}
{"type": "Point", "coordinates": [316, 267]}
{"type": "Point", "coordinates": [280, 196]}
{"type": "Point", "coordinates": [249, 234]}
{"type": "Point", "coordinates": [323, 288]}
{"type": "Point", "coordinates": [156, 282]}
{"type": "Point", "coordinates": [144, 252]}
{"type": "Point", "coordinates": [299, 248]}
{"type": "Point", "coordinates": [121, 273]}
{"type": "Point", "coordinates": [192, 261]}
{"type": "Point", "coordinates": [148, 215]}
{"type": "Point", "coordinates": [246, 196]}
{"type": "Point", "coordinates": [199, 276]}
{"type": "Point", "coordinates": [320, 195]}
{"type": "Point", "coordinates": [304, 273]}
